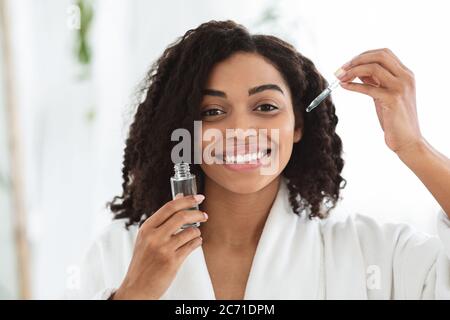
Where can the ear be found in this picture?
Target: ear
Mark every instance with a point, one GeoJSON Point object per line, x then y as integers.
{"type": "Point", "coordinates": [297, 135]}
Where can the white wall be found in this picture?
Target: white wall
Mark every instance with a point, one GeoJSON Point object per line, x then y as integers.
{"type": "Point", "coordinates": [72, 166]}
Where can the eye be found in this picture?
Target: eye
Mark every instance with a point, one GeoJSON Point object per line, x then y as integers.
{"type": "Point", "coordinates": [266, 107]}
{"type": "Point", "coordinates": [212, 112]}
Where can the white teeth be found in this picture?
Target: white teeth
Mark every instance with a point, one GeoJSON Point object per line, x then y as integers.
{"type": "Point", "coordinates": [248, 157]}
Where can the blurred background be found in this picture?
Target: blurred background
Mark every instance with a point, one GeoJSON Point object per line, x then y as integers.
{"type": "Point", "coordinates": [69, 73]}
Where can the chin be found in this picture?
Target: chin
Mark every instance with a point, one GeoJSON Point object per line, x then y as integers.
{"type": "Point", "coordinates": [239, 182]}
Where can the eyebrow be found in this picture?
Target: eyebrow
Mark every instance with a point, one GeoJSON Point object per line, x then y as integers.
{"type": "Point", "coordinates": [217, 93]}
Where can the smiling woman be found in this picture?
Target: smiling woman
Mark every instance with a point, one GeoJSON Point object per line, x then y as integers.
{"type": "Point", "coordinates": [262, 236]}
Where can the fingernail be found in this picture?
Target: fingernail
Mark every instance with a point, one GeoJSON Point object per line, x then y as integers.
{"type": "Point", "coordinates": [339, 73]}
{"type": "Point", "coordinates": [206, 215]}
{"type": "Point", "coordinates": [178, 196]}
{"type": "Point", "coordinates": [199, 198]}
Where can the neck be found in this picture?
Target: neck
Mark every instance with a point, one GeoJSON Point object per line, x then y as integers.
{"type": "Point", "coordinates": [236, 219]}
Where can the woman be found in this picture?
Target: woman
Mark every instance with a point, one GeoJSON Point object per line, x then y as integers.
{"type": "Point", "coordinates": [265, 236]}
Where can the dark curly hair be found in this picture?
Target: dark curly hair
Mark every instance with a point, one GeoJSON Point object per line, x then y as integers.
{"type": "Point", "coordinates": [173, 93]}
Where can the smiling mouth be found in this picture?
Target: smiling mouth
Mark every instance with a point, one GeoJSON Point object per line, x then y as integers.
{"type": "Point", "coordinates": [251, 157]}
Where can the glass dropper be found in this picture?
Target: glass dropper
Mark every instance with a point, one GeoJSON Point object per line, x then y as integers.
{"type": "Point", "coordinates": [325, 93]}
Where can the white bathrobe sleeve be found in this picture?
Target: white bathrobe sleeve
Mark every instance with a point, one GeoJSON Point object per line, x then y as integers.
{"type": "Point", "coordinates": [422, 262]}
{"type": "Point", "coordinates": [409, 264]}
{"type": "Point", "coordinates": [104, 264]}
{"type": "Point", "coordinates": [438, 283]}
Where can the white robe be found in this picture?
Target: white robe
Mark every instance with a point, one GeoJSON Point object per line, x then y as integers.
{"type": "Point", "coordinates": [298, 258]}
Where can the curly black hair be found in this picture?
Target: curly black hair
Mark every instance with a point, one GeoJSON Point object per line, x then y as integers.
{"type": "Point", "coordinates": [173, 93]}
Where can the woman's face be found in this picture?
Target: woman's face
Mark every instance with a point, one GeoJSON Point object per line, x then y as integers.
{"type": "Point", "coordinates": [247, 93]}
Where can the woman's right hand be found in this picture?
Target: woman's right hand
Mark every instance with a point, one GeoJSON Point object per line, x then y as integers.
{"type": "Point", "coordinates": [159, 252]}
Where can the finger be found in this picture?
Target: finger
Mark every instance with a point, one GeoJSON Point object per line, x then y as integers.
{"type": "Point", "coordinates": [170, 208]}
{"type": "Point", "coordinates": [373, 70]}
{"type": "Point", "coordinates": [383, 58]}
{"type": "Point", "coordinates": [390, 52]}
{"type": "Point", "coordinates": [184, 250]}
{"type": "Point", "coordinates": [176, 221]}
{"type": "Point", "coordinates": [387, 50]}
{"type": "Point", "coordinates": [181, 238]}
{"type": "Point", "coordinates": [367, 89]}
{"type": "Point", "coordinates": [370, 80]}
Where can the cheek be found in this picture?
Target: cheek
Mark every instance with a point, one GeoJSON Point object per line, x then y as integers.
{"type": "Point", "coordinates": [286, 146]}
{"type": "Point", "coordinates": [210, 138]}
{"type": "Point", "coordinates": [285, 128]}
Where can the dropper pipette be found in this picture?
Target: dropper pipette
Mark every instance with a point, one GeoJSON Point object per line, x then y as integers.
{"type": "Point", "coordinates": [325, 92]}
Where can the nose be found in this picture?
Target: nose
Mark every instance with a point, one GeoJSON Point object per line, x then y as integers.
{"type": "Point", "coordinates": [241, 119]}
{"type": "Point", "coordinates": [242, 131]}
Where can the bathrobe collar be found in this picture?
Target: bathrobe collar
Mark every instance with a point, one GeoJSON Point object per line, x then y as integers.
{"type": "Point", "coordinates": [287, 262]}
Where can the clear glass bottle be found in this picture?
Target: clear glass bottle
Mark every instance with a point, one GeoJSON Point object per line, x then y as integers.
{"type": "Point", "coordinates": [183, 181]}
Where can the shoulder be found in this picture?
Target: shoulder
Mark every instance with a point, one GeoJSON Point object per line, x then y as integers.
{"type": "Point", "coordinates": [113, 248]}
{"type": "Point", "coordinates": [367, 226]}
{"type": "Point", "coordinates": [116, 234]}
{"type": "Point", "coordinates": [373, 235]}
{"type": "Point", "coordinates": [113, 242]}
{"type": "Point", "coordinates": [104, 262]}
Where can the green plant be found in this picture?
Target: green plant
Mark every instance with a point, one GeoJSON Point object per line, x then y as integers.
{"type": "Point", "coordinates": [83, 48]}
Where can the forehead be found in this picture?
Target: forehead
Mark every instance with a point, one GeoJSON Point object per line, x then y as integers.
{"type": "Point", "coordinates": [242, 71]}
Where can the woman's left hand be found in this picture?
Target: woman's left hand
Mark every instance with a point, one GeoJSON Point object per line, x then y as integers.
{"type": "Point", "coordinates": [392, 86]}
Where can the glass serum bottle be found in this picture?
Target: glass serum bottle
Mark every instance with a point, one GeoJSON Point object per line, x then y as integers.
{"type": "Point", "coordinates": [183, 181]}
